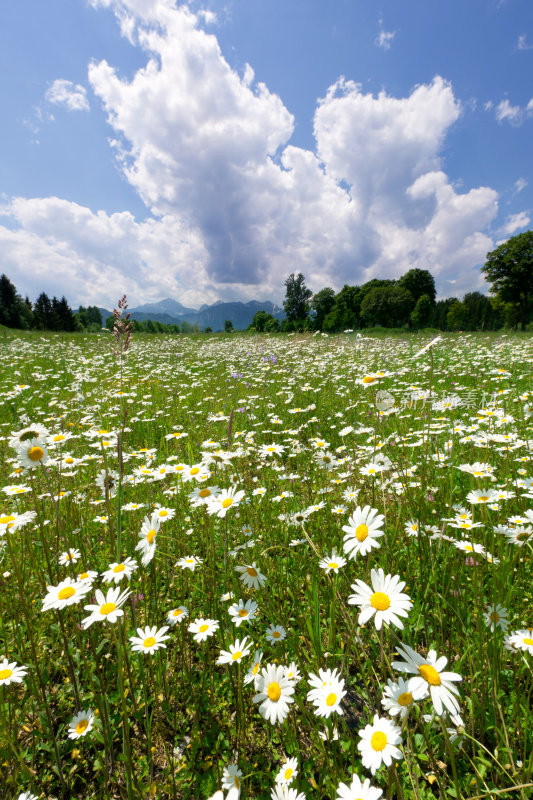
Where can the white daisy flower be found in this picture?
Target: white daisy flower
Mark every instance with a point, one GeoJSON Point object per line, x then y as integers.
{"type": "Point", "coordinates": [378, 744]}
{"type": "Point", "coordinates": [149, 639]}
{"type": "Point", "coordinates": [364, 528]}
{"type": "Point", "coordinates": [202, 628]}
{"type": "Point", "coordinates": [80, 724]}
{"type": "Point", "coordinates": [429, 676]}
{"type": "Point", "coordinates": [236, 652]}
{"type": "Point", "coordinates": [385, 599]}
{"type": "Point", "coordinates": [275, 694]}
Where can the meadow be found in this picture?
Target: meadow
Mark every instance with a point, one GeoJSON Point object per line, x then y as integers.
{"type": "Point", "coordinates": [270, 566]}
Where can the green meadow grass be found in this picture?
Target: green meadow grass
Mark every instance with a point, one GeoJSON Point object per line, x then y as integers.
{"type": "Point", "coordinates": [168, 724]}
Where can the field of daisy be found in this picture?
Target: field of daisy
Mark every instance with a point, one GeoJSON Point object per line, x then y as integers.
{"type": "Point", "coordinates": [286, 566]}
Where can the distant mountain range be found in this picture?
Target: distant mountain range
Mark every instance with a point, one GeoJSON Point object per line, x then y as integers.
{"type": "Point", "coordinates": [214, 316]}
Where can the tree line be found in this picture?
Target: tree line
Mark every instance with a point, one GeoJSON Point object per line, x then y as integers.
{"type": "Point", "coordinates": [408, 302]}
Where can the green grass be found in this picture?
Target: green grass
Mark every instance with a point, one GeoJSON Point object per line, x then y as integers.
{"type": "Point", "coordinates": [167, 724]}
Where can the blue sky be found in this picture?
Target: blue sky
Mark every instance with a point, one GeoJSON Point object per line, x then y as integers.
{"type": "Point", "coordinates": [205, 151]}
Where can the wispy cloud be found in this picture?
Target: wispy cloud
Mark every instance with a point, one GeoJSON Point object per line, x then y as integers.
{"type": "Point", "coordinates": [505, 112]}
{"type": "Point", "coordinates": [65, 93]}
{"type": "Point", "coordinates": [522, 43]}
{"type": "Point", "coordinates": [514, 223]}
{"type": "Point", "coordinates": [384, 38]}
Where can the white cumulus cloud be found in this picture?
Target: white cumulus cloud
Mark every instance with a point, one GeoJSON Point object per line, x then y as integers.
{"type": "Point", "coordinates": [65, 93]}
{"type": "Point", "coordinates": [232, 206]}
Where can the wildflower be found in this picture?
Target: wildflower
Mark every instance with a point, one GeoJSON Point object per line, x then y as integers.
{"type": "Point", "coordinates": [231, 780]}
{"type": "Point", "coordinates": [227, 498]}
{"type": "Point", "coordinates": [236, 652]}
{"type": "Point", "coordinates": [80, 724]}
{"type": "Point", "coordinates": [253, 672]}
{"type": "Point", "coordinates": [281, 792]}
{"type": "Point", "coordinates": [189, 562]}
{"type": "Point", "coordinates": [251, 576]}
{"type": "Point", "coordinates": [241, 612]}
{"type": "Point", "coordinates": [519, 640]}
{"type": "Point", "coordinates": [108, 482]}
{"type": "Point", "coordinates": [149, 640]}
{"type": "Point", "coordinates": [147, 538]}
{"type": "Point", "coordinates": [275, 633]}
{"type": "Point", "coordinates": [32, 452]}
{"type": "Point", "coordinates": [496, 617]}
{"type": "Point", "coordinates": [362, 531]}
{"type": "Point", "coordinates": [358, 790]}
{"type": "Point", "coordinates": [107, 608]}
{"type": "Point", "coordinates": [65, 594]}
{"type": "Point", "coordinates": [117, 571]}
{"type": "Point", "coordinates": [163, 514]}
{"type": "Point", "coordinates": [397, 699]}
{"type": "Point", "coordinates": [293, 673]}
{"type": "Point", "coordinates": [327, 692]}
{"type": "Point", "coordinates": [10, 672]}
{"type": "Point", "coordinates": [378, 744]}
{"type": "Point", "coordinates": [177, 615]}
{"type": "Point", "coordinates": [332, 563]}
{"type": "Point", "coordinates": [385, 599]}
{"type": "Point", "coordinates": [14, 521]}
{"type": "Point", "coordinates": [70, 557]}
{"type": "Point", "coordinates": [202, 628]}
{"type": "Point", "coordinates": [429, 676]}
{"type": "Point", "coordinates": [288, 772]}
{"type": "Point", "coordinates": [275, 694]}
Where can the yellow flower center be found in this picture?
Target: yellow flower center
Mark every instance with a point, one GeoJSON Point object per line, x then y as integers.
{"type": "Point", "coordinates": [119, 568]}
{"type": "Point", "coordinates": [150, 536]}
{"type": "Point", "coordinates": [58, 438]}
{"type": "Point", "coordinates": [361, 532]}
{"type": "Point", "coordinates": [149, 642]}
{"type": "Point", "coordinates": [243, 613]}
{"type": "Point", "coordinates": [35, 453]}
{"type": "Point", "coordinates": [107, 608]}
{"type": "Point", "coordinates": [84, 575]}
{"type": "Point", "coordinates": [430, 674]}
{"type": "Point", "coordinates": [236, 656]}
{"type": "Point", "coordinates": [528, 641]}
{"type": "Point", "coordinates": [203, 628]}
{"type": "Point", "coordinates": [251, 572]}
{"type": "Point", "coordinates": [204, 493]}
{"type": "Point", "coordinates": [288, 774]}
{"type": "Point", "coordinates": [380, 601]}
{"type": "Point", "coordinates": [274, 691]}
{"type": "Point", "coordinates": [227, 502]}
{"type": "Point", "coordinates": [163, 513]}
{"type": "Point", "coordinates": [368, 379]}
{"type": "Point", "coordinates": [5, 674]}
{"type": "Point", "coordinates": [81, 726]}
{"type": "Point", "coordinates": [405, 699]}
{"type": "Point", "coordinates": [494, 617]}
{"type": "Point", "coordinates": [331, 699]}
{"type": "Point", "coordinates": [6, 520]}
{"type": "Point", "coordinates": [483, 498]}
{"type": "Point", "coordinates": [177, 612]}
{"type": "Point", "coordinates": [65, 593]}
{"type": "Point", "coordinates": [255, 669]}
{"type": "Point", "coordinates": [236, 782]}
{"type": "Point", "coordinates": [378, 741]}
{"type": "Point", "coordinates": [333, 565]}
{"type": "Point", "coordinates": [195, 470]}
{"type": "Point", "coordinates": [276, 635]}
{"type": "Point", "coordinates": [521, 536]}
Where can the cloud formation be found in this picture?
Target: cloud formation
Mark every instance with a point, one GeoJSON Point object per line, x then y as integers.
{"type": "Point", "coordinates": [65, 93]}
{"type": "Point", "coordinates": [235, 207]}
